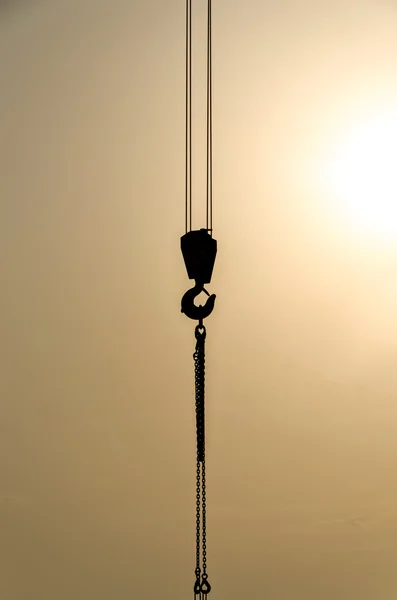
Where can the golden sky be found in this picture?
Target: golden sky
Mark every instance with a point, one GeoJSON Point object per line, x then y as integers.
{"type": "Point", "coordinates": [97, 414]}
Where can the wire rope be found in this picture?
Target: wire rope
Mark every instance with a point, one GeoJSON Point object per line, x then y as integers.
{"type": "Point", "coordinates": [188, 121]}
{"type": "Point", "coordinates": [209, 117]}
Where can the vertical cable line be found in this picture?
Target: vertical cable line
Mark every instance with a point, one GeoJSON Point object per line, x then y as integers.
{"type": "Point", "coordinates": [188, 124]}
{"type": "Point", "coordinates": [209, 117]}
{"type": "Point", "coordinates": [190, 106]}
{"type": "Point", "coordinates": [186, 114]}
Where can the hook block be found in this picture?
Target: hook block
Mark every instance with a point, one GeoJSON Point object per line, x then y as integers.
{"type": "Point", "coordinates": [199, 253]}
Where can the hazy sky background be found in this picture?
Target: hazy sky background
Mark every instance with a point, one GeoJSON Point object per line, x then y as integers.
{"type": "Point", "coordinates": [97, 452]}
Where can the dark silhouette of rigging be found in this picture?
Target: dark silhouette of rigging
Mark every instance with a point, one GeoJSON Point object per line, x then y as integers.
{"type": "Point", "coordinates": [199, 250]}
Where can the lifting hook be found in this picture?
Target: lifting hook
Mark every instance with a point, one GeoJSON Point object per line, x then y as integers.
{"type": "Point", "coordinates": [198, 313]}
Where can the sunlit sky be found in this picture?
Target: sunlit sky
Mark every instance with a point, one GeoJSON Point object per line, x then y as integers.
{"type": "Point", "coordinates": [97, 418]}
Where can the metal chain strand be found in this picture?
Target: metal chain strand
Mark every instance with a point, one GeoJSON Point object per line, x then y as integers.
{"type": "Point", "coordinates": [199, 372]}
{"type": "Point", "coordinates": [202, 586]}
{"type": "Point", "coordinates": [198, 518]}
{"type": "Point", "coordinates": [204, 515]}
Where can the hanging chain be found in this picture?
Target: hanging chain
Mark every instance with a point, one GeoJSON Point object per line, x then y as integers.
{"type": "Point", "coordinates": [204, 514]}
{"type": "Point", "coordinates": [201, 586]}
{"type": "Point", "coordinates": [197, 584]}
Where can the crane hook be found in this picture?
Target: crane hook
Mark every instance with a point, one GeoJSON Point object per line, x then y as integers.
{"type": "Point", "coordinates": [198, 313]}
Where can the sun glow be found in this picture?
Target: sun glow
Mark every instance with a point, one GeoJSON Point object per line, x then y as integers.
{"type": "Point", "coordinates": [362, 176]}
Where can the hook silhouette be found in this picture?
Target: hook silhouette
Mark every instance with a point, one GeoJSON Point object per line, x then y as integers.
{"type": "Point", "coordinates": [198, 313]}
